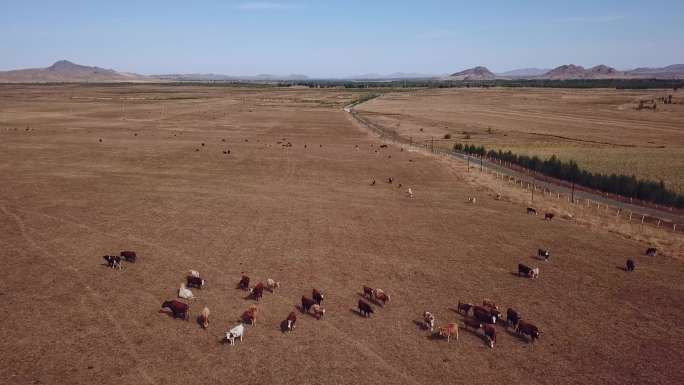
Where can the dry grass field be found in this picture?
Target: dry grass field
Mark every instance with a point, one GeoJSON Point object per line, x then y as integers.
{"type": "Point", "coordinates": [599, 128]}
{"type": "Point", "coordinates": [83, 174]}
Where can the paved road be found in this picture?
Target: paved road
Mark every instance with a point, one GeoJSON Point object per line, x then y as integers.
{"type": "Point", "coordinates": [581, 195]}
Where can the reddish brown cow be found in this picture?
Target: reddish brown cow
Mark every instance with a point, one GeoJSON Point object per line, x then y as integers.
{"type": "Point", "coordinates": [257, 291]}
{"type": "Point", "coordinates": [525, 328]}
{"type": "Point", "coordinates": [307, 303]}
{"type": "Point", "coordinates": [365, 309]}
{"type": "Point", "coordinates": [291, 321]}
{"type": "Point", "coordinates": [129, 256]}
{"type": "Point", "coordinates": [244, 282]}
{"type": "Point", "coordinates": [250, 315]}
{"type": "Point", "coordinates": [178, 308]}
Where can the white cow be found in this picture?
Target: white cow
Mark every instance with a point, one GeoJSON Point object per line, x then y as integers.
{"type": "Point", "coordinates": [185, 293]}
{"type": "Point", "coordinates": [272, 284]}
{"type": "Point", "coordinates": [236, 332]}
{"type": "Point", "coordinates": [410, 193]}
{"type": "Point", "coordinates": [194, 273]}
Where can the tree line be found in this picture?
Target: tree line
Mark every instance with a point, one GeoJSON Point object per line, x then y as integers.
{"type": "Point", "coordinates": [623, 185]}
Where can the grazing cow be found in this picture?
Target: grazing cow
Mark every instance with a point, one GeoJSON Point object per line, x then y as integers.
{"type": "Point", "coordinates": [236, 332]}
{"type": "Point", "coordinates": [543, 253]}
{"type": "Point", "coordinates": [381, 297]}
{"type": "Point", "coordinates": [410, 193]}
{"type": "Point", "coordinates": [429, 320]}
{"type": "Point", "coordinates": [525, 328]}
{"type": "Point", "coordinates": [490, 334]}
{"type": "Point", "coordinates": [472, 200]}
{"type": "Point", "coordinates": [472, 323]}
{"type": "Point", "coordinates": [373, 182]}
{"type": "Point", "coordinates": [272, 285]}
{"type": "Point", "coordinates": [531, 211]}
{"type": "Point", "coordinates": [489, 303]}
{"type": "Point", "coordinates": [317, 296]}
{"type": "Point", "coordinates": [257, 291]}
{"type": "Point", "coordinates": [178, 308]}
{"type": "Point", "coordinates": [250, 315]}
{"type": "Point", "coordinates": [129, 256]}
{"type": "Point", "coordinates": [291, 321]}
{"type": "Point", "coordinates": [318, 311]}
{"type": "Point", "coordinates": [630, 265]}
{"type": "Point", "coordinates": [528, 271]}
{"type": "Point", "coordinates": [113, 261]}
{"type": "Point", "coordinates": [185, 293]}
{"type": "Point", "coordinates": [307, 303]}
{"type": "Point", "coordinates": [195, 282]}
{"type": "Point", "coordinates": [383, 146]}
{"type": "Point", "coordinates": [484, 315]}
{"type": "Point", "coordinates": [651, 252]}
{"type": "Point", "coordinates": [512, 317]}
{"type": "Point", "coordinates": [365, 309]}
{"type": "Point", "coordinates": [244, 282]}
{"type": "Point", "coordinates": [463, 307]}
{"type": "Point", "coordinates": [548, 216]}
{"type": "Point", "coordinates": [448, 331]}
{"type": "Point", "coordinates": [390, 180]}
{"type": "Point", "coordinates": [194, 273]}
{"type": "Point", "coordinates": [204, 317]}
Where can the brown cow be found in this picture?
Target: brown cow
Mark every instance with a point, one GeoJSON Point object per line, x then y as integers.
{"type": "Point", "coordinates": [195, 282]}
{"type": "Point", "coordinates": [448, 331]}
{"type": "Point", "coordinates": [291, 321]}
{"type": "Point", "coordinates": [257, 291]}
{"type": "Point", "coordinates": [307, 303]}
{"type": "Point", "coordinates": [244, 282]}
{"type": "Point", "coordinates": [178, 308]}
{"type": "Point", "coordinates": [250, 315]}
{"type": "Point", "coordinates": [512, 317]}
{"type": "Point", "coordinates": [525, 328]}
{"type": "Point", "coordinates": [365, 309]}
{"type": "Point", "coordinates": [368, 292]}
{"type": "Point", "coordinates": [129, 256]}
{"type": "Point", "coordinates": [483, 315]}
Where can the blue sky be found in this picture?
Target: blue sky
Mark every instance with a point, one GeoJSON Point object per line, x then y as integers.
{"type": "Point", "coordinates": [338, 38]}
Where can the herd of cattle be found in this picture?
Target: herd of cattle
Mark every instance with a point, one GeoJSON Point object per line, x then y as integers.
{"type": "Point", "coordinates": [483, 317]}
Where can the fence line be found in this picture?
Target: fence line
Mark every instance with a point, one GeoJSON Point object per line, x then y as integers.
{"type": "Point", "coordinates": [429, 147]}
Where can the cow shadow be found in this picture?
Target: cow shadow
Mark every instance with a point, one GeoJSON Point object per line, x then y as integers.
{"type": "Point", "coordinates": [370, 300]}
{"type": "Point", "coordinates": [358, 313]}
{"type": "Point", "coordinates": [434, 336]}
{"type": "Point", "coordinates": [623, 268]}
{"type": "Point", "coordinates": [421, 325]}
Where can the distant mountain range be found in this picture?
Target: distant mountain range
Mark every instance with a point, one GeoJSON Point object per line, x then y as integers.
{"type": "Point", "coordinates": [218, 77]}
{"type": "Point", "coordinates": [66, 71]}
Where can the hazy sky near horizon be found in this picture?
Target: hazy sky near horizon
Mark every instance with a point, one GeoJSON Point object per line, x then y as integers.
{"type": "Point", "coordinates": [339, 38]}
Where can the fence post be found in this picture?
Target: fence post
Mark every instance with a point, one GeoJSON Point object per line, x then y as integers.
{"type": "Point", "coordinates": [658, 223]}
{"type": "Point", "coordinates": [642, 219]}
{"type": "Point", "coordinates": [674, 228]}
{"type": "Point", "coordinates": [630, 217]}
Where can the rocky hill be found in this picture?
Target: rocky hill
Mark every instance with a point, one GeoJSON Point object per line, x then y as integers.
{"type": "Point", "coordinates": [65, 71]}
